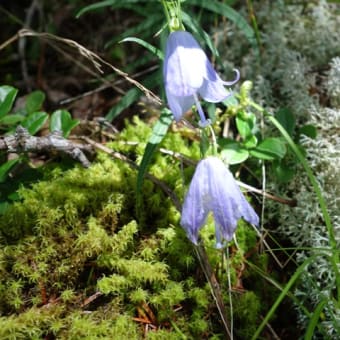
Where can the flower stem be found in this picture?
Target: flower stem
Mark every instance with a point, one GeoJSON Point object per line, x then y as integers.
{"type": "Point", "coordinates": [203, 121]}
{"type": "Point", "coordinates": [173, 14]}
{"type": "Point", "coordinates": [214, 141]}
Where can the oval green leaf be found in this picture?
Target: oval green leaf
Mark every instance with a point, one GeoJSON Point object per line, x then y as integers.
{"type": "Point", "coordinates": [286, 119]}
{"type": "Point", "coordinates": [61, 120]}
{"type": "Point", "coordinates": [7, 97]}
{"type": "Point", "coordinates": [309, 130]}
{"type": "Point", "coordinates": [12, 119]}
{"type": "Point", "coordinates": [34, 101]}
{"type": "Point", "coordinates": [269, 149]}
{"type": "Point", "coordinates": [250, 142]}
{"type": "Point", "coordinates": [34, 122]}
{"type": "Point", "coordinates": [234, 153]}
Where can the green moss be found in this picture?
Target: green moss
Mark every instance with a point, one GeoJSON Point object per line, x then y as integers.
{"type": "Point", "coordinates": [75, 234]}
{"type": "Point", "coordinates": [34, 323]}
{"type": "Point", "coordinates": [247, 309]}
{"type": "Point", "coordinates": [91, 326]}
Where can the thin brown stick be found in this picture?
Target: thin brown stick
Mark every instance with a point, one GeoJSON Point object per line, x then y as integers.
{"type": "Point", "coordinates": [214, 285]}
{"type": "Point", "coordinates": [107, 85]}
{"type": "Point", "coordinates": [96, 61]}
{"type": "Point", "coordinates": [189, 161]}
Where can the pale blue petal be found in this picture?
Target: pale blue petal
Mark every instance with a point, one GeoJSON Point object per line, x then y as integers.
{"type": "Point", "coordinates": [247, 212]}
{"type": "Point", "coordinates": [233, 82]}
{"type": "Point", "coordinates": [213, 89]}
{"type": "Point", "coordinates": [184, 64]}
{"type": "Point", "coordinates": [195, 208]}
{"type": "Point", "coordinates": [187, 72]}
{"type": "Point", "coordinates": [213, 92]}
{"type": "Point", "coordinates": [228, 204]}
{"type": "Point", "coordinates": [213, 188]}
{"type": "Point", "coordinates": [222, 189]}
{"type": "Point", "coordinates": [179, 105]}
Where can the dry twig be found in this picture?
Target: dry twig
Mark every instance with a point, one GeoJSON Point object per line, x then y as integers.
{"type": "Point", "coordinates": [96, 61]}
{"type": "Point", "coordinates": [23, 142]}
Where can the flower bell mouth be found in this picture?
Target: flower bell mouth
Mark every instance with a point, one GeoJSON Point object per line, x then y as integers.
{"type": "Point", "coordinates": [188, 75]}
{"type": "Point", "coordinates": [214, 189]}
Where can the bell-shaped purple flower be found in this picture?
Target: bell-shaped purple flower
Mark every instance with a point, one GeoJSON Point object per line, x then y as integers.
{"type": "Point", "coordinates": [213, 189]}
{"type": "Point", "coordinates": [188, 73]}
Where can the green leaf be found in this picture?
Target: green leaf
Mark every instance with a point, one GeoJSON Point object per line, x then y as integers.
{"type": "Point", "coordinates": [309, 130]}
{"type": "Point", "coordinates": [211, 111]}
{"type": "Point", "coordinates": [145, 44]}
{"type": "Point", "coordinates": [250, 142]}
{"type": "Point", "coordinates": [12, 119]}
{"type": "Point", "coordinates": [94, 7]}
{"type": "Point", "coordinates": [269, 149]}
{"type": "Point", "coordinates": [158, 132]}
{"type": "Point", "coordinates": [34, 122]}
{"type": "Point", "coordinates": [61, 120]}
{"type": "Point", "coordinates": [142, 30]}
{"type": "Point", "coordinates": [231, 101]}
{"type": "Point", "coordinates": [233, 153]}
{"type": "Point", "coordinates": [287, 119]}
{"type": "Point", "coordinates": [34, 101]}
{"type": "Point", "coordinates": [283, 172]}
{"type": "Point", "coordinates": [245, 123]}
{"type": "Point", "coordinates": [205, 143]}
{"type": "Point", "coordinates": [5, 168]}
{"type": "Point", "coordinates": [7, 97]}
{"type": "Point", "coordinates": [130, 97]}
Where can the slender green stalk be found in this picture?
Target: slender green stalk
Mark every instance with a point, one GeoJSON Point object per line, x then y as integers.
{"type": "Point", "coordinates": [213, 141]}
{"type": "Point", "coordinates": [173, 13]}
{"type": "Point", "coordinates": [282, 295]}
{"type": "Point", "coordinates": [315, 318]}
{"type": "Point", "coordinates": [254, 22]}
{"type": "Point", "coordinates": [166, 11]}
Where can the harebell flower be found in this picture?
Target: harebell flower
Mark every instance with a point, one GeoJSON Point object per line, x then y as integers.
{"type": "Point", "coordinates": [188, 74]}
{"type": "Point", "coordinates": [214, 189]}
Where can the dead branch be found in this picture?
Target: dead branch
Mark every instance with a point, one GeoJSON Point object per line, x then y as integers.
{"type": "Point", "coordinates": [23, 142]}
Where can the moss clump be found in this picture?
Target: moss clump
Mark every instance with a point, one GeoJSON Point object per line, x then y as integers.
{"type": "Point", "coordinates": [76, 264]}
{"type": "Point", "coordinates": [247, 310]}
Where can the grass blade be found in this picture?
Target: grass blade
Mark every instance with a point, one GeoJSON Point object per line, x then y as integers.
{"type": "Point", "coordinates": [284, 292]}
{"type": "Point", "coordinates": [145, 44]}
{"type": "Point", "coordinates": [313, 322]}
{"type": "Point", "coordinates": [158, 132]}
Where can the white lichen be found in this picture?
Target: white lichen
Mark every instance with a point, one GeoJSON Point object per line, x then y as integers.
{"type": "Point", "coordinates": [300, 69]}
{"type": "Point", "coordinates": [333, 82]}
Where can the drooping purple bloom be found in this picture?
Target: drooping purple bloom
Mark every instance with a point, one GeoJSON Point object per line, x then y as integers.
{"type": "Point", "coordinates": [213, 189]}
{"type": "Point", "coordinates": [188, 73]}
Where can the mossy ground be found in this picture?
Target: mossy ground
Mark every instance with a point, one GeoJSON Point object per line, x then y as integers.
{"type": "Point", "coordinates": [76, 261]}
